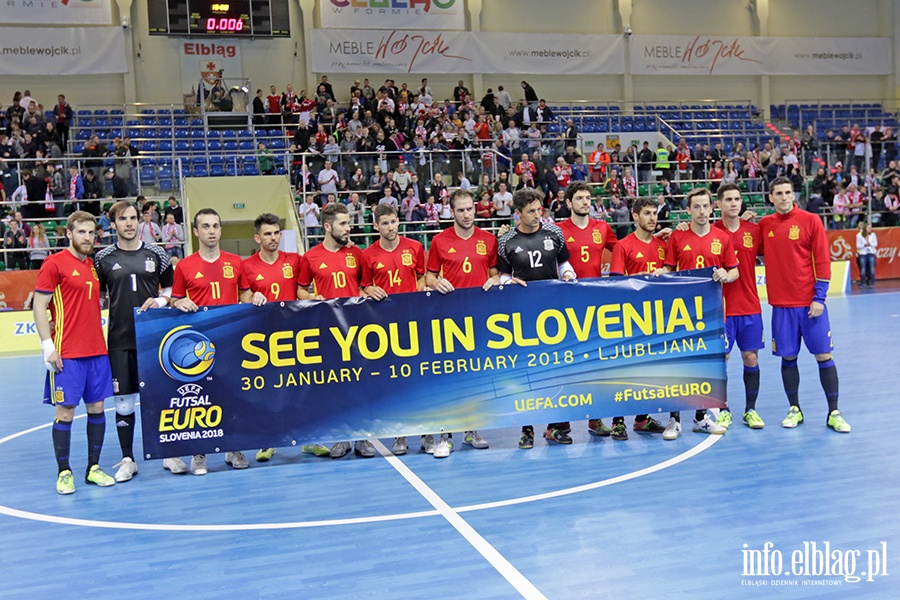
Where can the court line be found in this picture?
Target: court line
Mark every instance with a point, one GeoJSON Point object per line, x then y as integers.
{"type": "Point", "coordinates": [481, 545]}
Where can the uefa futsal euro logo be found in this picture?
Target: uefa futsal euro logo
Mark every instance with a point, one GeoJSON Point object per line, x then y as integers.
{"type": "Point", "coordinates": [186, 354]}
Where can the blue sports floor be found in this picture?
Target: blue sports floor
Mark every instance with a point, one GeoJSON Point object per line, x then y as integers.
{"type": "Point", "coordinates": [640, 518]}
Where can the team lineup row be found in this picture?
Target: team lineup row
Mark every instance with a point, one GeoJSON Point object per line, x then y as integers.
{"type": "Point", "coordinates": [135, 275]}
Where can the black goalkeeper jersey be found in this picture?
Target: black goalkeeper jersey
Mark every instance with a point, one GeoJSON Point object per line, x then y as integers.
{"type": "Point", "coordinates": [130, 277]}
{"type": "Point", "coordinates": [533, 256]}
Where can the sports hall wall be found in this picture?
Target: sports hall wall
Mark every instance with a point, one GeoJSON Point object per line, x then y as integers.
{"type": "Point", "coordinates": [154, 61]}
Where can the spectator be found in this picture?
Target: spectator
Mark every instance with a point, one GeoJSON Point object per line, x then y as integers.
{"type": "Point", "coordinates": [273, 106]}
{"type": "Point", "coordinates": [502, 202]}
{"type": "Point", "coordinates": [93, 154]}
{"type": "Point", "coordinates": [265, 158]}
{"type": "Point", "coordinates": [485, 207]}
{"type": "Point", "coordinates": [172, 208]}
{"type": "Point", "coordinates": [620, 216]}
{"type": "Point", "coordinates": [662, 213]}
{"type": "Point", "coordinates": [571, 135]}
{"type": "Point", "coordinates": [531, 97]}
{"type": "Point", "coordinates": [38, 245]}
{"type": "Point", "coordinates": [866, 247]}
{"type": "Point", "coordinates": [645, 163]}
{"type": "Point", "coordinates": [173, 236]}
{"type": "Point", "coordinates": [504, 100]}
{"type": "Point", "coordinates": [148, 231]}
{"type": "Point", "coordinates": [388, 197]}
{"type": "Point", "coordinates": [58, 189]}
{"type": "Point", "coordinates": [15, 241]}
{"type": "Point", "coordinates": [119, 185]}
{"type": "Point", "coordinates": [579, 169]}
{"type": "Point", "coordinates": [309, 212]}
{"type": "Point", "coordinates": [563, 173]}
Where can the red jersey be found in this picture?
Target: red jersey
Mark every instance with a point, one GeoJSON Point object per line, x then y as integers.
{"type": "Point", "coordinates": [334, 274]}
{"type": "Point", "coordinates": [796, 253]}
{"type": "Point", "coordinates": [207, 283]}
{"type": "Point", "coordinates": [75, 306]}
{"type": "Point", "coordinates": [563, 174]}
{"type": "Point", "coordinates": [632, 256]}
{"type": "Point", "coordinates": [278, 281]}
{"type": "Point", "coordinates": [687, 250]}
{"type": "Point", "coordinates": [396, 271]}
{"type": "Point", "coordinates": [741, 297]}
{"type": "Point", "coordinates": [464, 263]}
{"type": "Point", "coordinates": [586, 245]}
{"type": "Point", "coordinates": [274, 102]}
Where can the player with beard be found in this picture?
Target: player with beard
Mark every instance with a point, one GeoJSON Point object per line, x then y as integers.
{"type": "Point", "coordinates": [333, 269]}
{"type": "Point", "coordinates": [132, 273]}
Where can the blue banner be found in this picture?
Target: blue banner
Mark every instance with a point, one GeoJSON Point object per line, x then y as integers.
{"type": "Point", "coordinates": [244, 377]}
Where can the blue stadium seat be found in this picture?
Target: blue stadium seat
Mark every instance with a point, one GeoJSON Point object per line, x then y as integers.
{"type": "Point", "coordinates": [214, 146]}
{"type": "Point", "coordinates": [182, 134]}
{"type": "Point", "coordinates": [246, 146]}
{"type": "Point", "coordinates": [182, 147]}
{"type": "Point", "coordinates": [200, 171]}
{"type": "Point", "coordinates": [216, 171]}
{"type": "Point", "coordinates": [251, 169]}
{"type": "Point", "coordinates": [198, 146]}
{"type": "Point", "coordinates": [197, 134]}
{"type": "Point", "coordinates": [78, 148]}
{"type": "Point", "coordinates": [231, 146]}
{"type": "Point", "coordinates": [180, 121]}
{"type": "Point", "coordinates": [83, 135]}
{"type": "Point", "coordinates": [148, 146]}
{"type": "Point", "coordinates": [148, 175]}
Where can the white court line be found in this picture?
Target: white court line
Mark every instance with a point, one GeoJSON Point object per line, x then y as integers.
{"type": "Point", "coordinates": [490, 554]}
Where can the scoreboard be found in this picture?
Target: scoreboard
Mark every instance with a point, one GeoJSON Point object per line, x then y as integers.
{"type": "Point", "coordinates": [238, 18]}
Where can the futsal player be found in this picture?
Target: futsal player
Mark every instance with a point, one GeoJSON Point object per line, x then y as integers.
{"type": "Point", "coordinates": [74, 350]}
{"type": "Point", "coordinates": [332, 268]}
{"type": "Point", "coordinates": [534, 251]}
{"type": "Point", "coordinates": [134, 275]}
{"type": "Point", "coordinates": [392, 265]}
{"type": "Point", "coordinates": [462, 256]}
{"type": "Point", "coordinates": [743, 315]}
{"type": "Point", "coordinates": [271, 275]}
{"type": "Point", "coordinates": [699, 247]}
{"type": "Point", "coordinates": [208, 277]}
{"type": "Point", "coordinates": [798, 269]}
{"type": "Point", "coordinates": [586, 239]}
{"type": "Point", "coordinates": [638, 252]}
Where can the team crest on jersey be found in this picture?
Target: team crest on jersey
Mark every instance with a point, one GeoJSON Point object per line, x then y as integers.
{"type": "Point", "coordinates": [597, 237]}
{"type": "Point", "coordinates": [94, 273]}
{"type": "Point", "coordinates": [228, 272]}
{"type": "Point", "coordinates": [716, 247]}
{"type": "Point", "coordinates": [149, 265]}
{"type": "Point", "coordinates": [794, 233]}
{"type": "Point", "coordinates": [662, 253]}
{"type": "Point", "coordinates": [351, 261]}
{"type": "Point", "coordinates": [748, 240]}
{"type": "Point", "coordinates": [287, 271]}
{"type": "Point", "coordinates": [480, 248]}
{"type": "Point", "coordinates": [406, 259]}
{"type": "Point", "coordinates": [548, 244]}
{"type": "Point", "coordinates": [59, 397]}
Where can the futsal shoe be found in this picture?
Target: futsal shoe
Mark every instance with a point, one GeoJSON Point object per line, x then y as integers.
{"type": "Point", "coordinates": [793, 418]}
{"type": "Point", "coordinates": [198, 464]}
{"type": "Point", "coordinates": [65, 483]}
{"type": "Point", "coordinates": [650, 425]}
{"type": "Point", "coordinates": [340, 449]}
{"type": "Point", "coordinates": [559, 436]}
{"type": "Point", "coordinates": [236, 460]}
{"type": "Point", "coordinates": [364, 448]}
{"type": "Point", "coordinates": [427, 444]}
{"type": "Point", "coordinates": [724, 418]}
{"type": "Point", "coordinates": [596, 427]}
{"type": "Point", "coordinates": [127, 469]}
{"type": "Point", "coordinates": [837, 422]}
{"type": "Point", "coordinates": [753, 420]}
{"type": "Point", "coordinates": [619, 431]}
{"type": "Point", "coordinates": [96, 476]}
{"type": "Point", "coordinates": [672, 430]}
{"type": "Point", "coordinates": [175, 465]}
{"type": "Point", "coordinates": [265, 454]}
{"type": "Point", "coordinates": [474, 439]}
{"type": "Point", "coordinates": [444, 447]}
{"type": "Point", "coordinates": [316, 449]}
{"type": "Point", "coordinates": [401, 446]}
{"type": "Point", "coordinates": [707, 425]}
{"type": "Point", "coordinates": [526, 442]}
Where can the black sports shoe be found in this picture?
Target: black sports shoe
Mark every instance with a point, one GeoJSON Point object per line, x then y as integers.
{"type": "Point", "coordinates": [619, 432]}
{"type": "Point", "coordinates": [526, 442]}
{"type": "Point", "coordinates": [650, 425]}
{"type": "Point", "coordinates": [558, 435]}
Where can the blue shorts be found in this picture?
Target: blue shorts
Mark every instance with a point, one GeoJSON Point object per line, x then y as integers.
{"type": "Point", "coordinates": [745, 331]}
{"type": "Point", "coordinates": [88, 378]}
{"type": "Point", "coordinates": [791, 324]}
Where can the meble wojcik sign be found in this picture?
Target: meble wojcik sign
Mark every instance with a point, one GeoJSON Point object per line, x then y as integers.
{"type": "Point", "coordinates": [246, 377]}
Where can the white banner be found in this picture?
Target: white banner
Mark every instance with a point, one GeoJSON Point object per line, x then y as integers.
{"type": "Point", "coordinates": [393, 14]}
{"type": "Point", "coordinates": [399, 51]}
{"type": "Point", "coordinates": [56, 12]}
{"type": "Point", "coordinates": [729, 55]}
{"type": "Point", "coordinates": [62, 51]}
{"type": "Point", "coordinates": [203, 62]}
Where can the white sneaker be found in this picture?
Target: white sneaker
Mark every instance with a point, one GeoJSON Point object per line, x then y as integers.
{"type": "Point", "coordinates": [707, 425]}
{"type": "Point", "coordinates": [400, 446]}
{"type": "Point", "coordinates": [127, 469]}
{"type": "Point", "coordinates": [364, 448]}
{"type": "Point", "coordinates": [198, 464]}
{"type": "Point", "coordinates": [474, 439]}
{"type": "Point", "coordinates": [428, 443]}
{"type": "Point", "coordinates": [443, 447]}
{"type": "Point", "coordinates": [673, 429]}
{"type": "Point", "coordinates": [236, 460]}
{"type": "Point", "coordinates": [176, 465]}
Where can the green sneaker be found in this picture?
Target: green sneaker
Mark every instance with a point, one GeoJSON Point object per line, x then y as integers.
{"type": "Point", "coordinates": [65, 483]}
{"type": "Point", "coordinates": [265, 454]}
{"type": "Point", "coordinates": [618, 431]}
{"type": "Point", "coordinates": [596, 427]}
{"type": "Point", "coordinates": [753, 420]}
{"type": "Point", "coordinates": [793, 418]}
{"type": "Point", "coordinates": [836, 421]}
{"type": "Point", "coordinates": [316, 449]}
{"type": "Point", "coordinates": [724, 418]}
{"type": "Point", "coordinates": [96, 476]}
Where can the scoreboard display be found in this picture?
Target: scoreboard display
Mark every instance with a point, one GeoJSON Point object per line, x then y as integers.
{"type": "Point", "coordinates": [238, 18]}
